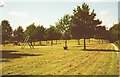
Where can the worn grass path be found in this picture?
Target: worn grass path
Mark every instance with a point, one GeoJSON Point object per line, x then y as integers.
{"type": "Point", "coordinates": [118, 54]}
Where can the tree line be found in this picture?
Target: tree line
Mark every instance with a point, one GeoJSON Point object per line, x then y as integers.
{"type": "Point", "coordinates": [81, 24]}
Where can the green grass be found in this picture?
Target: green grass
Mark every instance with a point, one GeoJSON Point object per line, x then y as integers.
{"type": "Point", "coordinates": [56, 61]}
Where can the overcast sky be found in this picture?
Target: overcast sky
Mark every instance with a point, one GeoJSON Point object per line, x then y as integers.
{"type": "Point", "coordinates": [46, 13]}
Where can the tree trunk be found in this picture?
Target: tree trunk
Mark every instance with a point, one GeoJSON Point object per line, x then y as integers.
{"type": "Point", "coordinates": [65, 43]}
{"type": "Point", "coordinates": [56, 41]}
{"type": "Point", "coordinates": [34, 43]}
{"type": "Point", "coordinates": [39, 42]}
{"type": "Point", "coordinates": [89, 40]}
{"type": "Point", "coordinates": [46, 41]}
{"type": "Point", "coordinates": [51, 42]}
{"type": "Point", "coordinates": [84, 44]}
{"type": "Point", "coordinates": [18, 43]}
{"type": "Point", "coordinates": [99, 41]}
{"type": "Point", "coordinates": [3, 43]}
{"type": "Point", "coordinates": [102, 41]}
{"type": "Point", "coordinates": [78, 41]}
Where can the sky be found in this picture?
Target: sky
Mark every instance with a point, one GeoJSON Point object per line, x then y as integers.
{"type": "Point", "coordinates": [47, 12]}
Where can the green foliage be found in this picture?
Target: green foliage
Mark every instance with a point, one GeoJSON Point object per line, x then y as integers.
{"type": "Point", "coordinates": [30, 31]}
{"type": "Point", "coordinates": [64, 24]}
{"type": "Point", "coordinates": [6, 31]}
{"type": "Point", "coordinates": [115, 30]}
{"type": "Point", "coordinates": [52, 33]}
{"type": "Point", "coordinates": [84, 22]}
{"type": "Point", "coordinates": [101, 32]}
{"type": "Point", "coordinates": [40, 33]}
{"type": "Point", "coordinates": [18, 34]}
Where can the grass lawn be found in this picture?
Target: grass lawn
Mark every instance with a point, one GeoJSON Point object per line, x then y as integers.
{"type": "Point", "coordinates": [98, 59]}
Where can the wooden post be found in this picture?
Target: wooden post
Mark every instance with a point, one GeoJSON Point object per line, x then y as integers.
{"type": "Point", "coordinates": [78, 41]}
{"type": "Point", "coordinates": [84, 44]}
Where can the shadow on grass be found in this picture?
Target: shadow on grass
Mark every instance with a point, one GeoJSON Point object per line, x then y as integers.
{"type": "Point", "coordinates": [102, 50]}
{"type": "Point", "coordinates": [7, 54]}
{"type": "Point", "coordinates": [80, 46]}
{"type": "Point", "coordinates": [77, 46]}
{"type": "Point", "coordinates": [50, 75]}
{"type": "Point", "coordinates": [4, 60]}
{"type": "Point", "coordinates": [41, 45]}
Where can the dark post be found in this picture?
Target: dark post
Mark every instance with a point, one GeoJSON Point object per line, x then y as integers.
{"type": "Point", "coordinates": [78, 41]}
{"type": "Point", "coordinates": [84, 44]}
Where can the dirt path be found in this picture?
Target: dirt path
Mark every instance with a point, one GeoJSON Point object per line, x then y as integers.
{"type": "Point", "coordinates": [118, 54]}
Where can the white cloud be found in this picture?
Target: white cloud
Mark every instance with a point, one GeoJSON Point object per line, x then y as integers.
{"type": "Point", "coordinates": [1, 3]}
{"type": "Point", "coordinates": [61, 0]}
{"type": "Point", "coordinates": [107, 18]}
{"type": "Point", "coordinates": [96, 0]}
{"type": "Point", "coordinates": [102, 0]}
{"type": "Point", "coordinates": [18, 14]}
{"type": "Point", "coordinates": [1, 15]}
{"type": "Point", "coordinates": [104, 12]}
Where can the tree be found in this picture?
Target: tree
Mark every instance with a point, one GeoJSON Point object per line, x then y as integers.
{"type": "Point", "coordinates": [18, 34]}
{"type": "Point", "coordinates": [101, 33]}
{"type": "Point", "coordinates": [84, 22]}
{"type": "Point", "coordinates": [40, 33]}
{"type": "Point", "coordinates": [63, 25]}
{"type": "Point", "coordinates": [57, 36]}
{"type": "Point", "coordinates": [0, 34]}
{"type": "Point", "coordinates": [30, 31]}
{"type": "Point", "coordinates": [115, 32]}
{"type": "Point", "coordinates": [52, 34]}
{"type": "Point", "coordinates": [6, 31]}
{"type": "Point", "coordinates": [77, 34]}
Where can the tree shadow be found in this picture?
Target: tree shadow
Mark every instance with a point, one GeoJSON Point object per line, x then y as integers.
{"type": "Point", "coordinates": [77, 46]}
{"type": "Point", "coordinates": [41, 45]}
{"type": "Point", "coordinates": [7, 54]}
{"type": "Point", "coordinates": [102, 50]}
{"type": "Point", "coordinates": [56, 75]}
{"type": "Point", "coordinates": [4, 61]}
{"type": "Point", "coordinates": [81, 46]}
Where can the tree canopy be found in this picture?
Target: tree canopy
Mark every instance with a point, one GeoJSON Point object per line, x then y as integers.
{"type": "Point", "coordinates": [63, 25]}
{"type": "Point", "coordinates": [18, 34]}
{"type": "Point", "coordinates": [6, 31]}
{"type": "Point", "coordinates": [30, 31]}
{"type": "Point", "coordinates": [115, 32]}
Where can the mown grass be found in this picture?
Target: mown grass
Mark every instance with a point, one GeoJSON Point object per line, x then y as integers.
{"type": "Point", "coordinates": [99, 59]}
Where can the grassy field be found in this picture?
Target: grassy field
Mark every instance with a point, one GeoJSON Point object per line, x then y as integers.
{"type": "Point", "coordinates": [98, 59]}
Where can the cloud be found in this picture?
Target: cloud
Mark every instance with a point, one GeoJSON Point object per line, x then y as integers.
{"type": "Point", "coordinates": [107, 18]}
{"type": "Point", "coordinates": [104, 12]}
{"type": "Point", "coordinates": [18, 14]}
{"type": "Point", "coordinates": [109, 21]}
{"type": "Point", "coordinates": [102, 0]}
{"type": "Point", "coordinates": [96, 0]}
